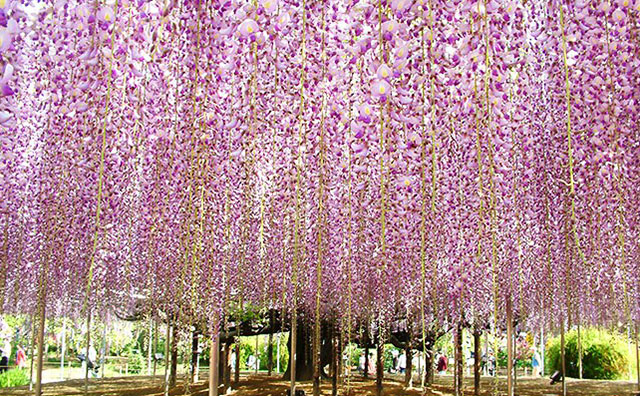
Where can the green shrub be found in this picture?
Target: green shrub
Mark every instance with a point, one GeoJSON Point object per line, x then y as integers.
{"type": "Point", "coordinates": [136, 363]}
{"type": "Point", "coordinates": [604, 354]}
{"type": "Point", "coordinates": [15, 377]}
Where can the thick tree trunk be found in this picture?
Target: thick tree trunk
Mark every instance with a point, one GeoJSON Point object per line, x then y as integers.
{"type": "Point", "coordinates": [408, 374]}
{"type": "Point", "coordinates": [303, 365]}
{"type": "Point", "coordinates": [304, 358]}
{"type": "Point", "coordinates": [429, 372]}
{"type": "Point", "coordinates": [476, 361]}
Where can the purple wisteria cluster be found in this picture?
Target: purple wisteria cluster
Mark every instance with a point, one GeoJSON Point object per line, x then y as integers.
{"type": "Point", "coordinates": [389, 157]}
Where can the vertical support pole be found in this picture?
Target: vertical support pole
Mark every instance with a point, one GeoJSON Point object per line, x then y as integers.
{"type": "Point", "coordinates": [149, 346]}
{"type": "Point", "coordinates": [236, 374]}
{"type": "Point", "coordinates": [41, 322]}
{"type": "Point", "coordinates": [515, 361]}
{"type": "Point", "coordinates": [509, 347]}
{"type": "Point", "coordinates": [476, 361]}
{"type": "Point", "coordinates": [227, 368]}
{"type": "Point", "coordinates": [195, 356]}
{"type": "Point", "coordinates": [292, 352]}
{"type": "Point", "coordinates": [173, 374]}
{"type": "Point", "coordinates": [379, 363]}
{"type": "Point", "coordinates": [86, 366]}
{"type": "Point", "coordinates": [34, 335]}
{"type": "Point", "coordinates": [334, 364]}
{"type": "Point", "coordinates": [155, 345]}
{"type": "Point", "coordinates": [214, 354]}
{"type": "Point", "coordinates": [270, 345]}
{"type": "Point", "coordinates": [64, 348]}
{"type": "Point", "coordinates": [637, 360]}
{"type": "Point", "coordinates": [166, 357]}
{"type": "Point", "coordinates": [542, 351]}
{"type": "Point", "coordinates": [630, 344]}
{"type": "Point", "coordinates": [366, 359]}
{"type": "Point", "coordinates": [459, 374]}
{"type": "Point", "coordinates": [562, 359]}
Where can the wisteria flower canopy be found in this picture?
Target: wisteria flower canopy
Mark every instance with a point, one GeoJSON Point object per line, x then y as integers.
{"type": "Point", "coordinates": [425, 158]}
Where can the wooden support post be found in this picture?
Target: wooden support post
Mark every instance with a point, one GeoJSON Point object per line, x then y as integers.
{"type": "Point", "coordinates": [149, 347]}
{"type": "Point", "coordinates": [195, 356]}
{"type": "Point", "coordinates": [278, 353]}
{"type": "Point", "coordinates": [562, 359]}
{"type": "Point", "coordinates": [292, 352]}
{"type": "Point", "coordinates": [335, 364]}
{"type": "Point", "coordinates": [270, 345]}
{"type": "Point", "coordinates": [236, 374]}
{"type": "Point", "coordinates": [64, 348]}
{"type": "Point", "coordinates": [227, 368]}
{"type": "Point", "coordinates": [509, 347]}
{"type": "Point", "coordinates": [34, 336]}
{"type": "Point", "coordinates": [458, 373]}
{"type": "Point", "coordinates": [214, 354]}
{"type": "Point", "coordinates": [41, 323]}
{"type": "Point", "coordinates": [86, 361]}
{"type": "Point", "coordinates": [379, 364]}
{"type": "Point", "coordinates": [637, 361]}
{"type": "Point", "coordinates": [173, 374]}
{"type": "Point", "coordinates": [476, 361]}
{"type": "Point", "coordinates": [155, 345]}
{"type": "Point", "coordinates": [542, 351]}
{"type": "Point", "coordinates": [166, 357]}
{"type": "Point", "coordinates": [515, 361]}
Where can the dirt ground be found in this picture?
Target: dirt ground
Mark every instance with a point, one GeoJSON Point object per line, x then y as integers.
{"type": "Point", "coordinates": [261, 385]}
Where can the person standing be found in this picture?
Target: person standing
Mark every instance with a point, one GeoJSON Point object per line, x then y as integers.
{"type": "Point", "coordinates": [402, 363]}
{"type": "Point", "coordinates": [21, 358]}
{"type": "Point", "coordinates": [371, 369]}
{"type": "Point", "coordinates": [4, 361]}
{"type": "Point", "coordinates": [535, 363]}
{"type": "Point", "coordinates": [442, 364]}
{"type": "Point", "coordinates": [361, 362]}
{"type": "Point", "coordinates": [232, 360]}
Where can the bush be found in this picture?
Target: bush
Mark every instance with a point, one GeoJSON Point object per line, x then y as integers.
{"type": "Point", "coordinates": [604, 354]}
{"type": "Point", "coordinates": [136, 363]}
{"type": "Point", "coordinates": [15, 377]}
